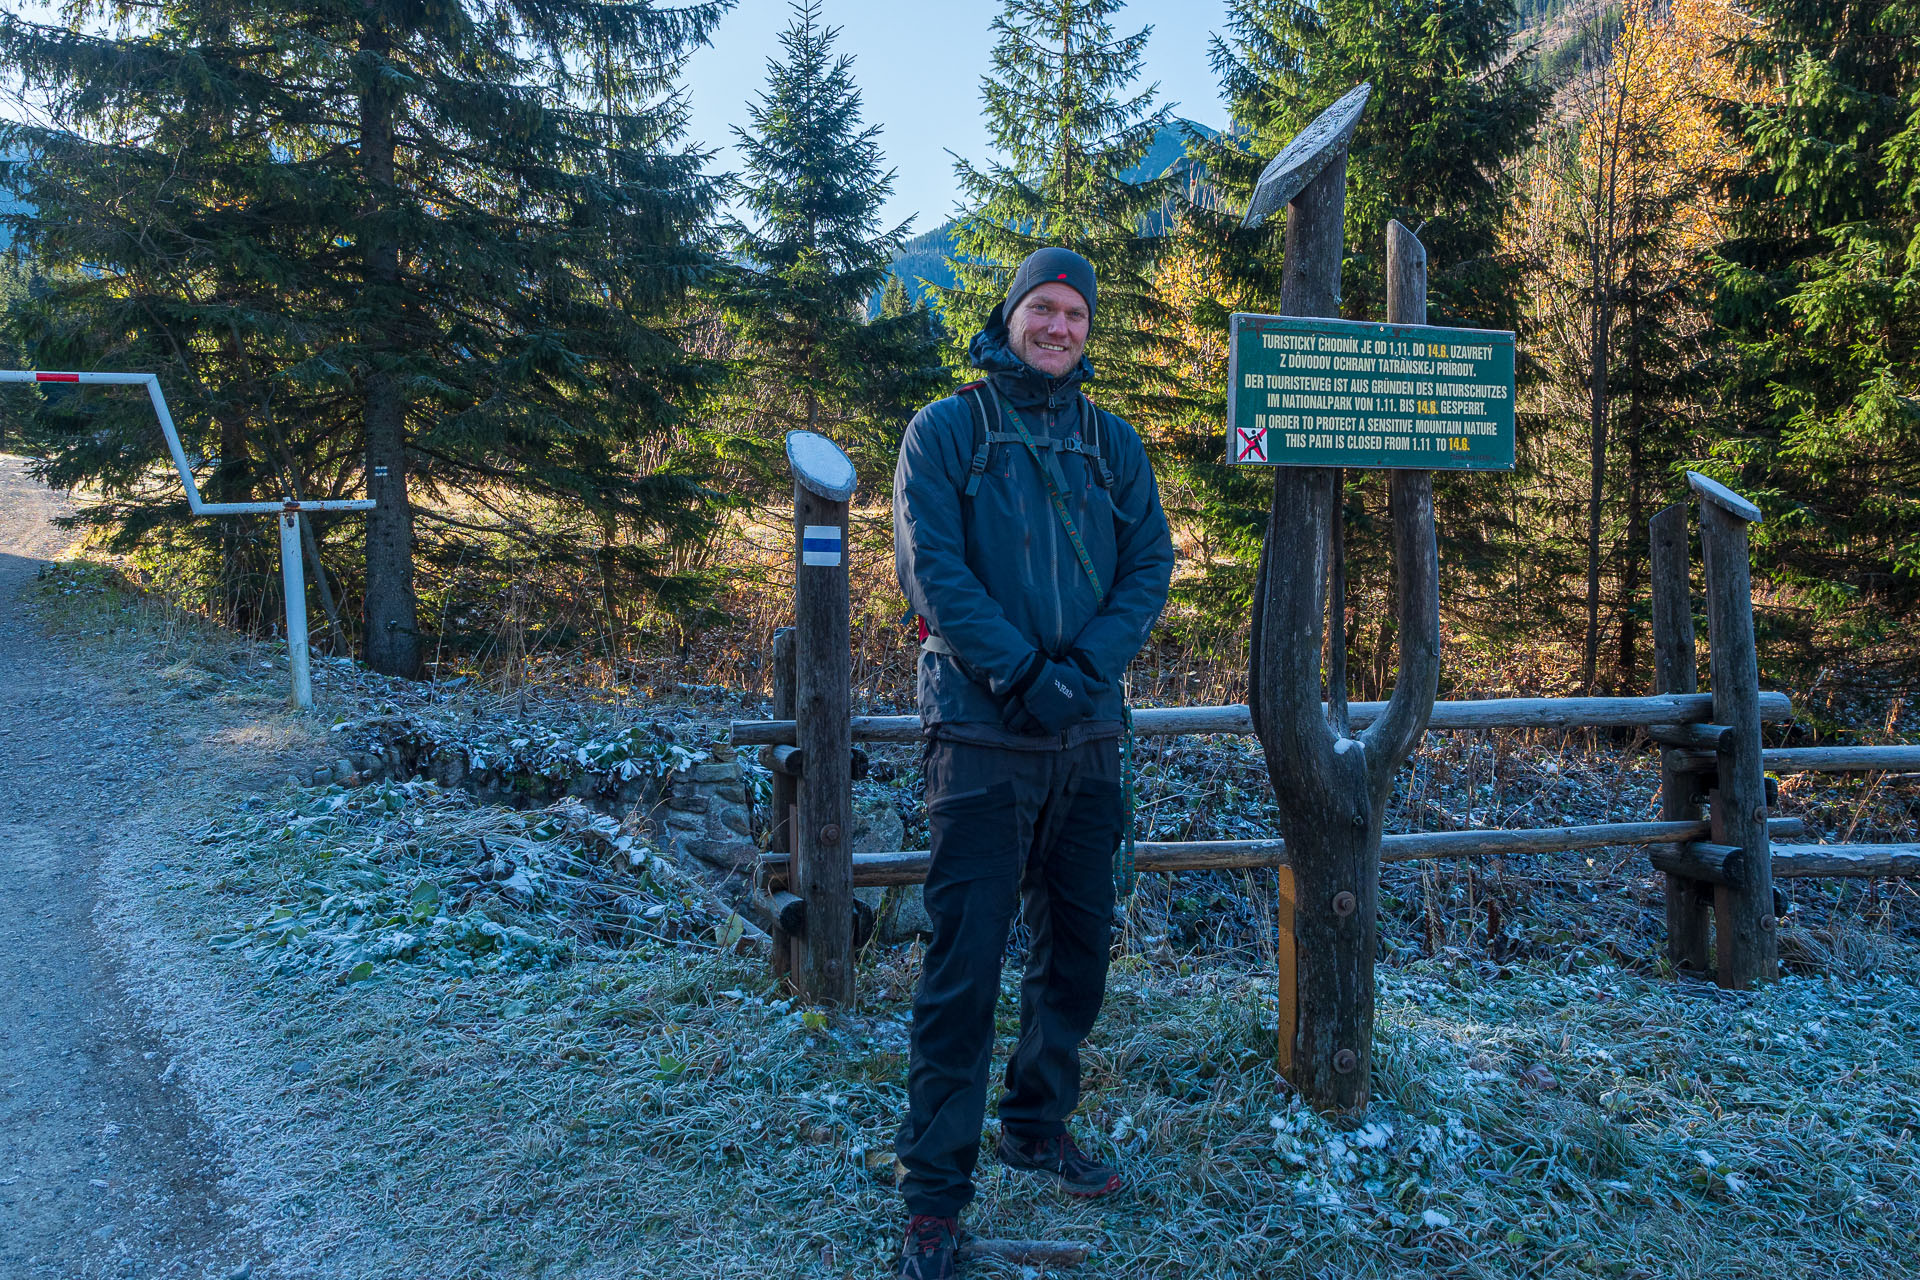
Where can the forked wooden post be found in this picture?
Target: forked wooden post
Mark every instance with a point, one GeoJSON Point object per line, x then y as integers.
{"type": "Point", "coordinates": [1746, 948]}
{"type": "Point", "coordinates": [1331, 789]}
{"type": "Point", "coordinates": [1675, 671]}
{"type": "Point", "coordinates": [823, 481]}
{"type": "Point", "coordinates": [780, 822]}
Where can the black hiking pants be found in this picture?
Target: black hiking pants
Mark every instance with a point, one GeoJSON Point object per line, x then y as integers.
{"type": "Point", "coordinates": [1008, 827]}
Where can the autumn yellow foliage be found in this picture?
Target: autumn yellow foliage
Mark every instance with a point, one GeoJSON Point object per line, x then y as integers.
{"type": "Point", "coordinates": [1671, 65]}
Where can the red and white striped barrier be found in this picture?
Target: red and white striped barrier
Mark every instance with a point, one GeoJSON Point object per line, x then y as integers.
{"type": "Point", "coordinates": [292, 572]}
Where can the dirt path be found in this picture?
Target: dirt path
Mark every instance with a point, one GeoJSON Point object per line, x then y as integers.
{"type": "Point", "coordinates": [107, 1167]}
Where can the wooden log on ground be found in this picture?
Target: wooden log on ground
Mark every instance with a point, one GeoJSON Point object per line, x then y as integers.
{"type": "Point", "coordinates": [1745, 941]}
{"type": "Point", "coordinates": [793, 762]}
{"type": "Point", "coordinates": [1421, 846]}
{"type": "Point", "coordinates": [1797, 860]}
{"type": "Point", "coordinates": [1688, 762]}
{"type": "Point", "coordinates": [789, 911]}
{"type": "Point", "coordinates": [1484, 713]}
{"type": "Point", "coordinates": [1676, 671]}
{"type": "Point", "coordinates": [1702, 861]}
{"type": "Point", "coordinates": [1809, 760]}
{"type": "Point", "coordinates": [877, 870]}
{"type": "Point", "coordinates": [1208, 855]}
{"type": "Point", "coordinates": [823, 482]}
{"type": "Point", "coordinates": [1026, 1253]}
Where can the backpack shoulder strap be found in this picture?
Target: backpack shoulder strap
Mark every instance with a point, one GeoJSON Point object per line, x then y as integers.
{"type": "Point", "coordinates": [1098, 432]}
{"type": "Point", "coordinates": [975, 394]}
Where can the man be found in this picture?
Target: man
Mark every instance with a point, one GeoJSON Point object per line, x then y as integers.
{"type": "Point", "coordinates": [1028, 536]}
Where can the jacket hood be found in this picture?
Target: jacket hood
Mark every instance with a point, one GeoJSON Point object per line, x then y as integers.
{"type": "Point", "coordinates": [1013, 377]}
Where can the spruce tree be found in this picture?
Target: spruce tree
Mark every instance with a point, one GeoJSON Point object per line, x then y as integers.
{"type": "Point", "coordinates": [1450, 108]}
{"type": "Point", "coordinates": [416, 252]}
{"type": "Point", "coordinates": [15, 402]}
{"type": "Point", "coordinates": [1820, 337]}
{"type": "Point", "coordinates": [808, 355]}
{"type": "Point", "coordinates": [894, 299]}
{"type": "Point", "coordinates": [1067, 129]}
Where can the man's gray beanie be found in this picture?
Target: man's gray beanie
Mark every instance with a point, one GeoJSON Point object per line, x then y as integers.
{"type": "Point", "coordinates": [1047, 266]}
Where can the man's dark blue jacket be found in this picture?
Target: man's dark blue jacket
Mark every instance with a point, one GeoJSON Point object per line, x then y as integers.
{"type": "Point", "coordinates": [995, 576]}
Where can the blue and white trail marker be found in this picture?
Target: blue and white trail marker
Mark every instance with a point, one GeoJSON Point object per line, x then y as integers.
{"type": "Point", "coordinates": [820, 544]}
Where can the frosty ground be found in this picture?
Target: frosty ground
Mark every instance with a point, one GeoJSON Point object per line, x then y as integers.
{"type": "Point", "coordinates": [428, 1036]}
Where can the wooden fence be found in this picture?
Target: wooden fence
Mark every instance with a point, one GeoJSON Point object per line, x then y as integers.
{"type": "Point", "coordinates": [1714, 840]}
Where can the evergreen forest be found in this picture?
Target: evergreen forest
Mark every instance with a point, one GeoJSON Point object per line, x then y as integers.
{"type": "Point", "coordinates": [471, 262]}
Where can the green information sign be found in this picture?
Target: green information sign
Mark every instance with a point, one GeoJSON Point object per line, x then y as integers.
{"type": "Point", "coordinates": [1343, 393]}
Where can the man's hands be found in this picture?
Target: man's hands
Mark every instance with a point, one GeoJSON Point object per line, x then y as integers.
{"type": "Point", "coordinates": [1051, 697]}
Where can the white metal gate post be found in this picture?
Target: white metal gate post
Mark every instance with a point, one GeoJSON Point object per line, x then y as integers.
{"type": "Point", "coordinates": [292, 572]}
{"type": "Point", "coordinates": [294, 579]}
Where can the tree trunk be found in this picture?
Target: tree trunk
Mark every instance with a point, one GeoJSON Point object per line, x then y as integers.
{"type": "Point", "coordinates": [393, 635]}
{"type": "Point", "coordinates": [1599, 322]}
{"type": "Point", "coordinates": [1636, 428]}
{"type": "Point", "coordinates": [323, 587]}
{"type": "Point", "coordinates": [233, 483]}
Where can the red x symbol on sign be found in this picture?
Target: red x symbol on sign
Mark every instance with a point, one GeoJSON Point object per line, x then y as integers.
{"type": "Point", "coordinates": [1252, 446]}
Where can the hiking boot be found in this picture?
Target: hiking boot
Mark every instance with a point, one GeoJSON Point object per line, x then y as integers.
{"type": "Point", "coordinates": [1077, 1173]}
{"type": "Point", "coordinates": [931, 1250]}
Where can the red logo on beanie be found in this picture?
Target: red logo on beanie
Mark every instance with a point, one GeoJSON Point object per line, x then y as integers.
{"type": "Point", "coordinates": [1061, 276]}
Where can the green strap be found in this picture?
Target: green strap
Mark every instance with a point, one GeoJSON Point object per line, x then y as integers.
{"type": "Point", "coordinates": [1123, 862]}
{"type": "Point", "coordinates": [1048, 474]}
{"type": "Point", "coordinates": [1123, 870]}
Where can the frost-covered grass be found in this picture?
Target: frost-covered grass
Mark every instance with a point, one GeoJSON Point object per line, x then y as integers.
{"type": "Point", "coordinates": [640, 1103]}
{"type": "Point", "coordinates": [472, 1041]}
{"type": "Point", "coordinates": [356, 882]}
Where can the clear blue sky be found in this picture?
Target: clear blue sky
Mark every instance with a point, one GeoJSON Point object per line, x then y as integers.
{"type": "Point", "coordinates": [918, 64]}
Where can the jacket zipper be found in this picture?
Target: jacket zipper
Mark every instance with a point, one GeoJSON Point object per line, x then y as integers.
{"type": "Point", "coordinates": [1059, 604]}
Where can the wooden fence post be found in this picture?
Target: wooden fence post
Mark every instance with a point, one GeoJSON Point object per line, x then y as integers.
{"type": "Point", "coordinates": [1675, 671]}
{"type": "Point", "coordinates": [823, 482]}
{"type": "Point", "coordinates": [780, 821]}
{"type": "Point", "coordinates": [1746, 950]}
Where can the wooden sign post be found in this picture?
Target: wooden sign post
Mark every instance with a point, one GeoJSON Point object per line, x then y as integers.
{"type": "Point", "coordinates": [821, 838]}
{"type": "Point", "coordinates": [1331, 788]}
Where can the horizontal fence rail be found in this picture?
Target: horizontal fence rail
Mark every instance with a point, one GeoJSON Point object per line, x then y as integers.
{"type": "Point", "coordinates": [1846, 860]}
{"type": "Point", "coordinates": [1483, 713]}
{"type": "Point", "coordinates": [1812, 760]}
{"type": "Point", "coordinates": [909, 866]}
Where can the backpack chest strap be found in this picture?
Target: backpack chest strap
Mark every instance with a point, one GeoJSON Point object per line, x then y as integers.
{"type": "Point", "coordinates": [985, 437]}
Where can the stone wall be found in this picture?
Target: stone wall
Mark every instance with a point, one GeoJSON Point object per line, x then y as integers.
{"type": "Point", "coordinates": [707, 816]}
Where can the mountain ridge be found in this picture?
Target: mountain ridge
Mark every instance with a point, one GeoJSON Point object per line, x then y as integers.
{"type": "Point", "coordinates": [922, 260]}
